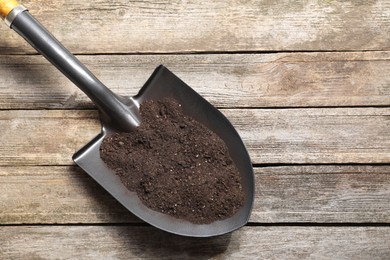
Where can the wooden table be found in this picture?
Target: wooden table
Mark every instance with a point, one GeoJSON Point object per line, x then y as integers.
{"type": "Point", "coordinates": [306, 83]}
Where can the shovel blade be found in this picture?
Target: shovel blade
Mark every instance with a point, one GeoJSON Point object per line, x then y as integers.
{"type": "Point", "coordinates": [164, 84]}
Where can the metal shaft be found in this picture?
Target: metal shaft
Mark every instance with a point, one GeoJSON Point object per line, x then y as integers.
{"type": "Point", "coordinates": [113, 108]}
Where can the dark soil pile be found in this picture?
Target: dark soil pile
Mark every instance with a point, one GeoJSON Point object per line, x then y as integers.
{"type": "Point", "coordinates": [176, 165]}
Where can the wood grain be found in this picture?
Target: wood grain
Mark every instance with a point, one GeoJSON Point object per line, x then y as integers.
{"type": "Point", "coordinates": [272, 136]}
{"type": "Point", "coordinates": [322, 194]}
{"type": "Point", "coordinates": [304, 82]}
{"type": "Point", "coordinates": [298, 194]}
{"type": "Point", "coordinates": [129, 242]}
{"type": "Point", "coordinates": [59, 194]}
{"type": "Point", "coordinates": [249, 80]}
{"type": "Point", "coordinates": [39, 137]}
{"type": "Point", "coordinates": [166, 26]}
{"type": "Point", "coordinates": [328, 135]}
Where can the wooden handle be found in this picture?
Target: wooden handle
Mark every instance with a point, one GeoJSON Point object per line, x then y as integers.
{"type": "Point", "coordinates": [6, 7]}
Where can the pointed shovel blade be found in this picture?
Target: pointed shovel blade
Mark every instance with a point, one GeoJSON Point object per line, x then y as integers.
{"type": "Point", "coordinates": [164, 84]}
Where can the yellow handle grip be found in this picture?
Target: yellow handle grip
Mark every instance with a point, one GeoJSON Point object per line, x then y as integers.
{"type": "Point", "coordinates": [6, 7]}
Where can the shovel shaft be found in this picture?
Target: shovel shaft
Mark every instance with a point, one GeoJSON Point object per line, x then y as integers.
{"type": "Point", "coordinates": [114, 110]}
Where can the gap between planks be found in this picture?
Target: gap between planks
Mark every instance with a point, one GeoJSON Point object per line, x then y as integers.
{"type": "Point", "coordinates": [186, 53]}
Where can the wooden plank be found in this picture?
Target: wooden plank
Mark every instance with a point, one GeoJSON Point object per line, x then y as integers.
{"type": "Point", "coordinates": [34, 137]}
{"type": "Point", "coordinates": [322, 194]}
{"type": "Point", "coordinates": [66, 194]}
{"type": "Point", "coordinates": [328, 135]}
{"type": "Point", "coordinates": [129, 242]}
{"type": "Point", "coordinates": [192, 26]}
{"type": "Point", "coordinates": [272, 136]}
{"type": "Point", "coordinates": [249, 80]}
{"type": "Point", "coordinates": [298, 194]}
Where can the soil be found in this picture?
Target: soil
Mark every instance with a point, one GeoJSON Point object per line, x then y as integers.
{"type": "Point", "coordinates": [176, 165]}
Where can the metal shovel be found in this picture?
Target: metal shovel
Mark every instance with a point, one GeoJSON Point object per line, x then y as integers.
{"type": "Point", "coordinates": [118, 114]}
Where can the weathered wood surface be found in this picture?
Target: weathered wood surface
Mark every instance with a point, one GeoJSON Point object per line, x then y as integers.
{"type": "Point", "coordinates": [272, 136]}
{"type": "Point", "coordinates": [120, 26]}
{"type": "Point", "coordinates": [295, 194]}
{"type": "Point", "coordinates": [127, 242]}
{"type": "Point", "coordinates": [248, 80]}
{"type": "Point", "coordinates": [304, 82]}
